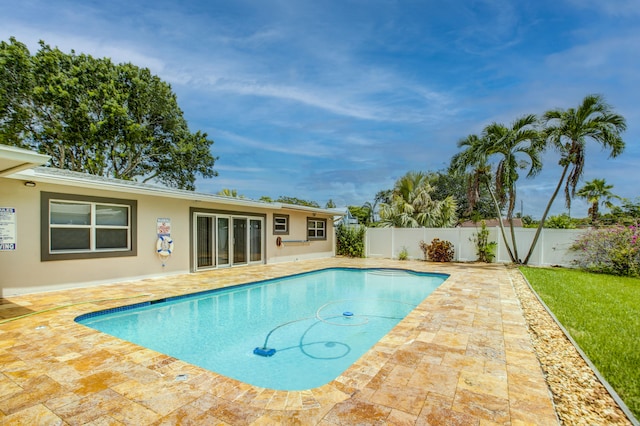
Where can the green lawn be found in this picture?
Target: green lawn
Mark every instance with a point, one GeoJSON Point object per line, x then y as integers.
{"type": "Point", "coordinates": [602, 314]}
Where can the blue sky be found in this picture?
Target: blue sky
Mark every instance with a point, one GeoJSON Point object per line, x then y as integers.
{"type": "Point", "coordinates": [337, 99]}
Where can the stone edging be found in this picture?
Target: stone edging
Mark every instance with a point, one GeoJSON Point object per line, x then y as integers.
{"type": "Point", "coordinates": [580, 393]}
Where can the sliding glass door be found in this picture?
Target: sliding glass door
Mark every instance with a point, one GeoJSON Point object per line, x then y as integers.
{"type": "Point", "coordinates": [227, 240]}
{"type": "Point", "coordinates": [239, 241]}
{"type": "Point", "coordinates": [223, 241]}
{"type": "Point", "coordinates": [204, 242]}
{"type": "Point", "coordinates": [255, 240]}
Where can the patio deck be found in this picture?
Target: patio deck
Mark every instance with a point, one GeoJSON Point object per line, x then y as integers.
{"type": "Point", "coordinates": [463, 356]}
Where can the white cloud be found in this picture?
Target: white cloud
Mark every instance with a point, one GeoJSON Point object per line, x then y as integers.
{"type": "Point", "coordinates": [596, 57]}
{"type": "Point", "coordinates": [300, 148]}
{"type": "Point", "coordinates": [617, 8]}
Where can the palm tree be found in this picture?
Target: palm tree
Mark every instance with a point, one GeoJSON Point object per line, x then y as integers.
{"type": "Point", "coordinates": [595, 192]}
{"type": "Point", "coordinates": [518, 148]}
{"type": "Point", "coordinates": [473, 162]}
{"type": "Point", "coordinates": [226, 192]}
{"type": "Point", "coordinates": [568, 131]}
{"type": "Point", "coordinates": [411, 205]}
{"type": "Point", "coordinates": [383, 196]}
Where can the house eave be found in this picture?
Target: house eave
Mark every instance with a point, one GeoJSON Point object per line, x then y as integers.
{"type": "Point", "coordinates": [14, 160]}
{"type": "Point", "coordinates": [80, 180]}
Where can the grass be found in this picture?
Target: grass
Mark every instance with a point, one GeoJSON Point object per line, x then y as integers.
{"type": "Point", "coordinates": [602, 314]}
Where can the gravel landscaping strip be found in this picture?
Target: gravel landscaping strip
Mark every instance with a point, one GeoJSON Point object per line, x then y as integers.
{"type": "Point", "coordinates": [579, 396]}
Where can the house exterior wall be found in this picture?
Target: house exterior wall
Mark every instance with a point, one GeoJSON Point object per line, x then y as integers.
{"type": "Point", "coordinates": [296, 246]}
{"type": "Point", "coordinates": [23, 271]}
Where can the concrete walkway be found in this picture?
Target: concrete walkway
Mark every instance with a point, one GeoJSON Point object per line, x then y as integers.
{"type": "Point", "coordinates": [463, 356]}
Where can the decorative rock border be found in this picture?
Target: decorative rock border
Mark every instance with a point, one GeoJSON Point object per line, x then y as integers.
{"type": "Point", "coordinates": [579, 394]}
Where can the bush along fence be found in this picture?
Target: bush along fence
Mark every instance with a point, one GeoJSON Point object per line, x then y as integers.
{"type": "Point", "coordinates": [613, 251]}
{"type": "Point", "coordinates": [554, 246]}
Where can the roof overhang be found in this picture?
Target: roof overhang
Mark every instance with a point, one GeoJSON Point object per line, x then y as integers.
{"type": "Point", "coordinates": [80, 180]}
{"type": "Point", "coordinates": [313, 210]}
{"type": "Point", "coordinates": [18, 163]}
{"type": "Point", "coordinates": [13, 160]}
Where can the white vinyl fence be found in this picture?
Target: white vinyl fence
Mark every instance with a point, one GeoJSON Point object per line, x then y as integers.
{"type": "Point", "coordinates": [552, 247]}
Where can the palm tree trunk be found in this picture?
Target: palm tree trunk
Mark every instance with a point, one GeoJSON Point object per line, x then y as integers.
{"type": "Point", "coordinates": [544, 216]}
{"type": "Point", "coordinates": [502, 231]}
{"type": "Point", "coordinates": [513, 240]}
{"type": "Point", "coordinates": [513, 233]}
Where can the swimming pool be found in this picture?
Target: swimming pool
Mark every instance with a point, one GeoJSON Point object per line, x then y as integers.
{"type": "Point", "coordinates": [290, 333]}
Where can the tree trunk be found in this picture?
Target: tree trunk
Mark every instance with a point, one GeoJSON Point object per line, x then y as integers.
{"type": "Point", "coordinates": [512, 197]}
{"type": "Point", "coordinates": [594, 213]}
{"type": "Point", "coordinates": [502, 231]}
{"type": "Point", "coordinates": [513, 240]}
{"type": "Point", "coordinates": [544, 216]}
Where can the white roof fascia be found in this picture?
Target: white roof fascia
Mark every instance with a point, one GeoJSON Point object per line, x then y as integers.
{"type": "Point", "coordinates": [81, 180]}
{"type": "Point", "coordinates": [328, 212]}
{"type": "Point", "coordinates": [14, 159]}
{"type": "Point", "coordinates": [109, 184]}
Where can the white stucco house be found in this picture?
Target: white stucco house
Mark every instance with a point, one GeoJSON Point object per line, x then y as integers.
{"type": "Point", "coordinates": [62, 229]}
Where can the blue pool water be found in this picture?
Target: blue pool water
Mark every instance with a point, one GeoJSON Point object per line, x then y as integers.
{"type": "Point", "coordinates": [312, 326]}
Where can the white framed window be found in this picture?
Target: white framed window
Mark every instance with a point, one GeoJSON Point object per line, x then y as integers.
{"type": "Point", "coordinates": [316, 229]}
{"type": "Point", "coordinates": [281, 224]}
{"type": "Point", "coordinates": [84, 227]}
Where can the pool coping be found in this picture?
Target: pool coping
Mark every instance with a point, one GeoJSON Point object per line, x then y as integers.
{"type": "Point", "coordinates": [463, 354]}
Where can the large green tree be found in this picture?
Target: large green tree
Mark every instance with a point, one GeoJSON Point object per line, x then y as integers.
{"type": "Point", "coordinates": [597, 192]}
{"type": "Point", "coordinates": [568, 132]}
{"type": "Point", "coordinates": [93, 116]}
{"type": "Point", "coordinates": [411, 205]}
{"type": "Point", "coordinates": [628, 213]}
{"type": "Point", "coordinates": [362, 213]}
{"type": "Point", "coordinates": [297, 201]}
{"type": "Point", "coordinates": [16, 82]}
{"type": "Point", "coordinates": [447, 183]}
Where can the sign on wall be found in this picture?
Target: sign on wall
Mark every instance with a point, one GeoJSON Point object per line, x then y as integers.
{"type": "Point", "coordinates": [7, 228]}
{"type": "Point", "coordinates": [163, 228]}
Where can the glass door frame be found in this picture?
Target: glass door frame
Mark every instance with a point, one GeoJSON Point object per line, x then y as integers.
{"type": "Point", "coordinates": [249, 249]}
{"type": "Point", "coordinates": [210, 233]}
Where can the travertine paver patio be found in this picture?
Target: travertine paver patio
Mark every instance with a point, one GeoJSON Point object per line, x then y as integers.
{"type": "Point", "coordinates": [463, 356]}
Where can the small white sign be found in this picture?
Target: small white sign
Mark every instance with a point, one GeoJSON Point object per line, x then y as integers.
{"type": "Point", "coordinates": [163, 228]}
{"type": "Point", "coordinates": [7, 228]}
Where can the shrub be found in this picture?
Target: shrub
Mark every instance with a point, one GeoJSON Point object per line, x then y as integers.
{"type": "Point", "coordinates": [612, 251]}
{"type": "Point", "coordinates": [437, 251]}
{"type": "Point", "coordinates": [350, 240]}
{"type": "Point", "coordinates": [485, 250]}
{"type": "Point", "coordinates": [404, 254]}
{"type": "Point", "coordinates": [563, 221]}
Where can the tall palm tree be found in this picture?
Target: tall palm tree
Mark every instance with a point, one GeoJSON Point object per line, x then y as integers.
{"type": "Point", "coordinates": [518, 148]}
{"type": "Point", "coordinates": [472, 161]}
{"type": "Point", "coordinates": [596, 192]}
{"type": "Point", "coordinates": [411, 205]}
{"type": "Point", "coordinates": [568, 131]}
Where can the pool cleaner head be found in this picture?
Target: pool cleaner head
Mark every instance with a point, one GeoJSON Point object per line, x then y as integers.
{"type": "Point", "coordinates": [264, 351]}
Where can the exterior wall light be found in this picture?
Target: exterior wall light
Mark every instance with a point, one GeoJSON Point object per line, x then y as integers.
{"type": "Point", "coordinates": [30, 184]}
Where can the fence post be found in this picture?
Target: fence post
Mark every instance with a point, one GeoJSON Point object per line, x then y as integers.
{"type": "Point", "coordinates": [393, 241]}
{"type": "Point", "coordinates": [541, 248]}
